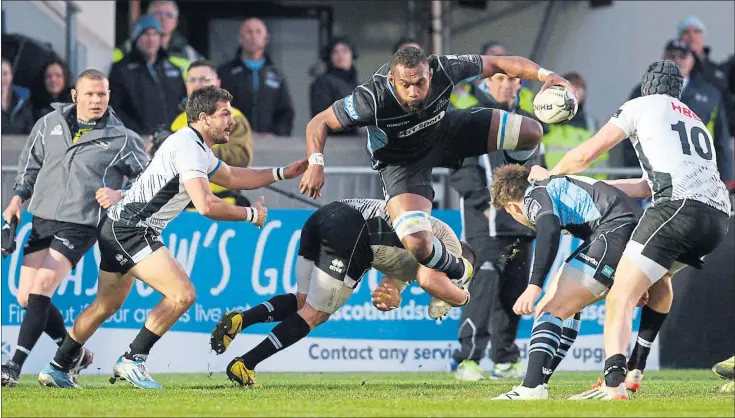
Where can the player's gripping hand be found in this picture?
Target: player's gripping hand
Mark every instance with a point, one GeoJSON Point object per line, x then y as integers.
{"type": "Point", "coordinates": [296, 168]}
{"type": "Point", "coordinates": [262, 212]}
{"type": "Point", "coordinates": [525, 303]}
{"type": "Point", "coordinates": [538, 173]}
{"type": "Point", "coordinates": [313, 181]}
{"type": "Point", "coordinates": [13, 210]}
{"type": "Point", "coordinates": [386, 296]}
{"type": "Point", "coordinates": [554, 79]}
{"type": "Point", "coordinates": [107, 197]}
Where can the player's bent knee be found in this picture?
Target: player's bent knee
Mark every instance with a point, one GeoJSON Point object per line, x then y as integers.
{"type": "Point", "coordinates": [186, 297]}
{"type": "Point", "coordinates": [22, 299]}
{"type": "Point", "coordinates": [313, 316]}
{"type": "Point", "coordinates": [530, 134]}
{"type": "Point", "coordinates": [419, 245]}
{"type": "Point", "coordinates": [45, 282]}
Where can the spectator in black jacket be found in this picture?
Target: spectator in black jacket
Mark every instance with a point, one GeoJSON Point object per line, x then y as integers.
{"type": "Point", "coordinates": [503, 246]}
{"type": "Point", "coordinates": [17, 116]}
{"type": "Point", "coordinates": [52, 86]}
{"type": "Point", "coordinates": [147, 89]}
{"type": "Point", "coordinates": [338, 81]}
{"type": "Point", "coordinates": [259, 90]}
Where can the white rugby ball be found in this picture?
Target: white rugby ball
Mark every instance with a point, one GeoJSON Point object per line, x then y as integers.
{"type": "Point", "coordinates": [555, 105]}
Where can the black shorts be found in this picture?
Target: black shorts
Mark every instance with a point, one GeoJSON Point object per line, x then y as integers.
{"type": "Point", "coordinates": [71, 240]}
{"type": "Point", "coordinates": [674, 234]}
{"type": "Point", "coordinates": [597, 258]}
{"type": "Point", "coordinates": [463, 133]}
{"type": "Point", "coordinates": [123, 246]}
{"type": "Point", "coordinates": [336, 239]}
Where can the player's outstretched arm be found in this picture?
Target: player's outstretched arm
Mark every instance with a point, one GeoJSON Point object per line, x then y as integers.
{"type": "Point", "coordinates": [316, 138]}
{"type": "Point", "coordinates": [635, 188]}
{"type": "Point", "coordinates": [240, 178]}
{"type": "Point", "coordinates": [581, 157]}
{"type": "Point", "coordinates": [522, 68]}
{"type": "Point", "coordinates": [215, 208]}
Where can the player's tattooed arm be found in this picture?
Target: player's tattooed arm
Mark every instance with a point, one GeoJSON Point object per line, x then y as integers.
{"type": "Point", "coordinates": [522, 68]}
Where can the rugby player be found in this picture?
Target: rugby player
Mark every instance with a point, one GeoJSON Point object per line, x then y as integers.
{"type": "Point", "coordinates": [78, 152]}
{"type": "Point", "coordinates": [130, 241]}
{"type": "Point", "coordinates": [410, 131]}
{"type": "Point", "coordinates": [603, 217]}
{"type": "Point", "coordinates": [691, 205]}
{"type": "Point", "coordinates": [339, 243]}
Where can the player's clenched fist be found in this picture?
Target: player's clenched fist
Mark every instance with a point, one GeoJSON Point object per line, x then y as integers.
{"type": "Point", "coordinates": [107, 197]}
{"type": "Point", "coordinates": [262, 212]}
{"type": "Point", "coordinates": [313, 181]}
{"type": "Point", "coordinates": [387, 296]}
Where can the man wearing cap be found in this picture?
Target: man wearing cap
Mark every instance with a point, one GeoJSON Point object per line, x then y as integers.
{"type": "Point", "coordinates": [704, 99]}
{"type": "Point", "coordinates": [148, 87]}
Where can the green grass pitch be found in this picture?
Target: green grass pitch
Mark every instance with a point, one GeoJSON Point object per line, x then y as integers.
{"type": "Point", "coordinates": [666, 393]}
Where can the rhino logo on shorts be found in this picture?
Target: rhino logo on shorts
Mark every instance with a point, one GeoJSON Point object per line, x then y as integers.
{"type": "Point", "coordinates": [337, 265]}
{"type": "Point", "coordinates": [120, 259]}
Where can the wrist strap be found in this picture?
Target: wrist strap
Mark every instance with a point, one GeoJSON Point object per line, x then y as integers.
{"type": "Point", "coordinates": [252, 214]}
{"type": "Point", "coordinates": [278, 174]}
{"type": "Point", "coordinates": [316, 159]}
{"type": "Point", "coordinates": [543, 73]}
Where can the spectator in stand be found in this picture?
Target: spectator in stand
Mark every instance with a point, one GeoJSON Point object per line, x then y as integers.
{"type": "Point", "coordinates": [147, 87]}
{"type": "Point", "coordinates": [565, 136]}
{"type": "Point", "coordinates": [406, 41]}
{"type": "Point", "coordinates": [52, 86]}
{"type": "Point", "coordinates": [338, 81]}
{"type": "Point", "coordinates": [525, 95]}
{"type": "Point", "coordinates": [17, 117]}
{"type": "Point", "coordinates": [704, 99]}
{"type": "Point", "coordinates": [180, 53]}
{"type": "Point", "coordinates": [259, 90]}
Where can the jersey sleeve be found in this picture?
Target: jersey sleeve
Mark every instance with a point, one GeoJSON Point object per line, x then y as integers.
{"type": "Point", "coordinates": [537, 203]}
{"type": "Point", "coordinates": [194, 160]}
{"type": "Point", "coordinates": [462, 68]}
{"type": "Point", "coordinates": [625, 118]}
{"type": "Point", "coordinates": [357, 109]}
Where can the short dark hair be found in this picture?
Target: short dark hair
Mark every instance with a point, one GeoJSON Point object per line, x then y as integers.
{"type": "Point", "coordinates": [403, 41]}
{"type": "Point", "coordinates": [408, 56]}
{"type": "Point", "coordinates": [509, 184]}
{"type": "Point", "coordinates": [91, 74]}
{"type": "Point", "coordinates": [203, 63]}
{"type": "Point", "coordinates": [205, 101]}
{"type": "Point", "coordinates": [575, 78]}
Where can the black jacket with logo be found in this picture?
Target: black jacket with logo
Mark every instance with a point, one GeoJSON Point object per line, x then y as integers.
{"type": "Point", "coordinates": [141, 100]}
{"type": "Point", "coordinates": [269, 109]}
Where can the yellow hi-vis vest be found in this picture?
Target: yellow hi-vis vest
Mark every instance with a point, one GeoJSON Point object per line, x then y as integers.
{"type": "Point", "coordinates": [563, 137]}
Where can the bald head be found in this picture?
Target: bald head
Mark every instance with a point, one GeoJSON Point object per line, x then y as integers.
{"type": "Point", "coordinates": [253, 38]}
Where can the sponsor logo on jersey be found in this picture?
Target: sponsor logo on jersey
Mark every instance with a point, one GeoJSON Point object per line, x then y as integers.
{"type": "Point", "coordinates": [65, 241]}
{"type": "Point", "coordinates": [466, 57]}
{"type": "Point", "coordinates": [441, 104]}
{"type": "Point", "coordinates": [412, 130]}
{"type": "Point", "coordinates": [608, 271]}
{"type": "Point", "coordinates": [589, 259]}
{"type": "Point", "coordinates": [101, 143]}
{"type": "Point", "coordinates": [350, 108]}
{"type": "Point", "coordinates": [393, 125]}
{"type": "Point", "coordinates": [56, 130]}
{"type": "Point", "coordinates": [120, 259]}
{"type": "Point", "coordinates": [532, 210]}
{"type": "Point", "coordinates": [337, 265]}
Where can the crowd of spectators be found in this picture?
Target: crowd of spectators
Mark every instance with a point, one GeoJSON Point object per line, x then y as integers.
{"type": "Point", "coordinates": [151, 79]}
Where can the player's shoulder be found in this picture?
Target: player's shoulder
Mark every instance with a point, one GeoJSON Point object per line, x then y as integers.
{"type": "Point", "coordinates": [186, 138]}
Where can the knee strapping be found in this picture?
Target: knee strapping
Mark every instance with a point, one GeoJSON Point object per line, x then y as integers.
{"type": "Point", "coordinates": [411, 223]}
{"type": "Point", "coordinates": [509, 130]}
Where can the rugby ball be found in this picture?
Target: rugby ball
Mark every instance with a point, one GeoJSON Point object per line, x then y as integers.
{"type": "Point", "coordinates": [555, 105]}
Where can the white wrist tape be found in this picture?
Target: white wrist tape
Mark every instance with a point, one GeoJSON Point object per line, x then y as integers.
{"type": "Point", "coordinates": [316, 158]}
{"type": "Point", "coordinates": [278, 174]}
{"type": "Point", "coordinates": [543, 73]}
{"type": "Point", "coordinates": [252, 214]}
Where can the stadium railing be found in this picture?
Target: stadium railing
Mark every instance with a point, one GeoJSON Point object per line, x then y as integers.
{"type": "Point", "coordinates": [347, 172]}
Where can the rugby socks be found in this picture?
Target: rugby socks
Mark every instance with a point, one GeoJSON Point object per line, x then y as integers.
{"type": "Point", "coordinates": [285, 334]}
{"type": "Point", "coordinates": [569, 331]}
{"type": "Point", "coordinates": [442, 260]}
{"type": "Point", "coordinates": [651, 322]}
{"type": "Point", "coordinates": [545, 338]}
{"type": "Point", "coordinates": [37, 313]}
{"type": "Point", "coordinates": [55, 327]}
{"type": "Point", "coordinates": [142, 344]}
{"type": "Point", "coordinates": [615, 370]}
{"type": "Point", "coordinates": [276, 309]}
{"type": "Point", "coordinates": [66, 354]}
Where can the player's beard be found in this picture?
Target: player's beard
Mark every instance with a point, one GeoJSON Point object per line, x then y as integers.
{"type": "Point", "coordinates": [219, 137]}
